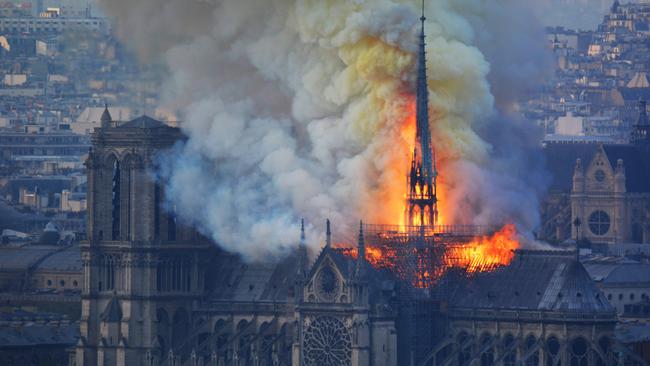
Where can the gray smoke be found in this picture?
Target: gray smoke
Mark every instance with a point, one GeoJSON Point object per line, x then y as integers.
{"type": "Point", "coordinates": [293, 109]}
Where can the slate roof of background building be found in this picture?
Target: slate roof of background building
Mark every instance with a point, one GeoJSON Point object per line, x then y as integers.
{"type": "Point", "coordinates": [629, 273]}
{"type": "Point", "coordinates": [599, 267]}
{"type": "Point", "coordinates": [68, 259]}
{"type": "Point", "coordinates": [534, 280]}
{"type": "Point", "coordinates": [144, 122]}
{"type": "Point", "coordinates": [21, 258]}
{"type": "Point", "coordinates": [32, 334]}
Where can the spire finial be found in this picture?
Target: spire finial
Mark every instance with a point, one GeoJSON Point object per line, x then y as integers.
{"type": "Point", "coordinates": [302, 232]}
{"type": "Point", "coordinates": [423, 18]}
{"type": "Point", "coordinates": [106, 118]}
{"type": "Point", "coordinates": [328, 233]}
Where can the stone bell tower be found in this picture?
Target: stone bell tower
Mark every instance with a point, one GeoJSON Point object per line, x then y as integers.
{"type": "Point", "coordinates": [139, 261]}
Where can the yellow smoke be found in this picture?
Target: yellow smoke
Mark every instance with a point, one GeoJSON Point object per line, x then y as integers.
{"type": "Point", "coordinates": [379, 75]}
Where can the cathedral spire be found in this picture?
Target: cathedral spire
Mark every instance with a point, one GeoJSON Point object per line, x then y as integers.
{"type": "Point", "coordinates": [328, 234]}
{"type": "Point", "coordinates": [423, 135]}
{"type": "Point", "coordinates": [421, 201]}
{"type": "Point", "coordinates": [303, 239]}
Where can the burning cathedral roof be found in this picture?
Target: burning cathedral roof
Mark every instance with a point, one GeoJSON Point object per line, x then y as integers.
{"type": "Point", "coordinates": [535, 280]}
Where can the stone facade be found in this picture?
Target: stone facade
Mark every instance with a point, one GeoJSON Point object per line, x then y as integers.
{"type": "Point", "coordinates": [602, 204]}
{"type": "Point", "coordinates": [156, 293]}
{"type": "Point", "coordinates": [137, 257]}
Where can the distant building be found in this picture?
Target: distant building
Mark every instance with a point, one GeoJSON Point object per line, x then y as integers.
{"type": "Point", "coordinates": [40, 267]}
{"type": "Point", "coordinates": [601, 192]}
{"type": "Point", "coordinates": [35, 338]}
{"type": "Point", "coordinates": [90, 118]}
{"type": "Point", "coordinates": [18, 25]}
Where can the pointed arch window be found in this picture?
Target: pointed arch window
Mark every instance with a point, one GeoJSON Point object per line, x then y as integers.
{"type": "Point", "coordinates": [115, 201]}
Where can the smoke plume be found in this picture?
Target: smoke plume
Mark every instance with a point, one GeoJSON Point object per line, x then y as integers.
{"type": "Point", "coordinates": [301, 108]}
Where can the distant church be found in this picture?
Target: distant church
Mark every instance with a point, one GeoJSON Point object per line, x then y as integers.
{"type": "Point", "coordinates": [157, 293]}
{"type": "Point", "coordinates": [600, 192]}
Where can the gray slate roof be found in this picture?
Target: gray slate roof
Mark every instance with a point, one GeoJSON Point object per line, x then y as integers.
{"type": "Point", "coordinates": [39, 335]}
{"type": "Point", "coordinates": [22, 258]}
{"type": "Point", "coordinates": [65, 260]}
{"type": "Point", "coordinates": [144, 122]}
{"type": "Point", "coordinates": [244, 282]}
{"type": "Point", "coordinates": [629, 273]}
{"type": "Point", "coordinates": [535, 280]}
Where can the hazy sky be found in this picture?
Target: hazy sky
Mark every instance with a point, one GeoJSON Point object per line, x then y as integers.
{"type": "Point", "coordinates": [579, 14]}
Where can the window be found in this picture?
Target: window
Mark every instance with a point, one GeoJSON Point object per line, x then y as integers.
{"type": "Point", "coordinates": [116, 201]}
{"type": "Point", "coordinates": [599, 223]}
{"type": "Point", "coordinates": [49, 282]}
{"type": "Point", "coordinates": [62, 283]}
{"type": "Point", "coordinates": [465, 349]}
{"type": "Point", "coordinates": [75, 283]}
{"type": "Point", "coordinates": [552, 351]}
{"type": "Point", "coordinates": [509, 350]}
{"type": "Point", "coordinates": [533, 358]}
{"type": "Point", "coordinates": [609, 297]}
{"type": "Point", "coordinates": [487, 356]}
{"type": "Point", "coordinates": [579, 348]}
{"type": "Point", "coordinates": [632, 297]}
{"type": "Point", "coordinates": [599, 175]}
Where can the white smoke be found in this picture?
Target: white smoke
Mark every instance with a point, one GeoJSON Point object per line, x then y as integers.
{"type": "Point", "coordinates": [294, 108]}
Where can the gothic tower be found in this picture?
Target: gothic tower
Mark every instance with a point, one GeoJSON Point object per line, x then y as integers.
{"type": "Point", "coordinates": [421, 200]}
{"type": "Point", "coordinates": [142, 268]}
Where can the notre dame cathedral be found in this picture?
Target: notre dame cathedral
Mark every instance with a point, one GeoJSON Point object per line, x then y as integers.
{"type": "Point", "coordinates": [157, 293]}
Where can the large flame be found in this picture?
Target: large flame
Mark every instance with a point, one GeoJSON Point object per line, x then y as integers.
{"type": "Point", "coordinates": [486, 253]}
{"type": "Point", "coordinates": [478, 255]}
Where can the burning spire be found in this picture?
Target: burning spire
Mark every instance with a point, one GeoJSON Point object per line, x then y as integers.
{"type": "Point", "coordinates": [421, 200]}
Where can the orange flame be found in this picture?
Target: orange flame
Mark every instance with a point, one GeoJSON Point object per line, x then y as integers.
{"type": "Point", "coordinates": [477, 255]}
{"type": "Point", "coordinates": [486, 253]}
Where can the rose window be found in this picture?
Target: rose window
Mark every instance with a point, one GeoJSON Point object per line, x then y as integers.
{"type": "Point", "coordinates": [327, 343]}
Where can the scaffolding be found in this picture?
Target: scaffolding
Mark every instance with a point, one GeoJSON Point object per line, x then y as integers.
{"type": "Point", "coordinates": [421, 256]}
